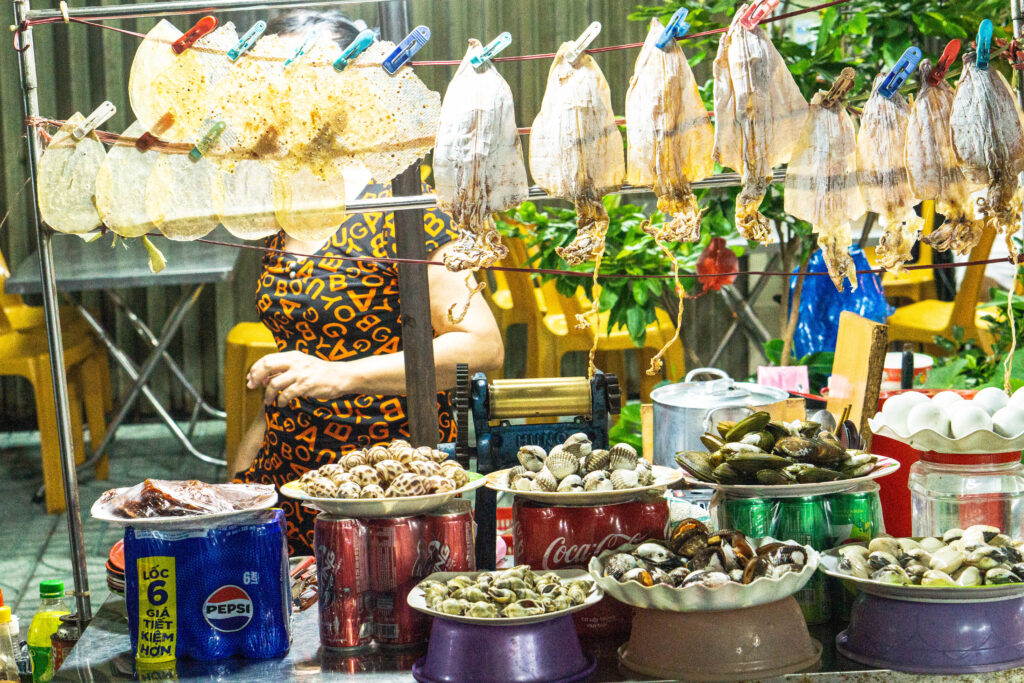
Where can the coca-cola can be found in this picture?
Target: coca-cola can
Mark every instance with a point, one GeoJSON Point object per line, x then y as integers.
{"type": "Point", "coordinates": [557, 537]}
{"type": "Point", "coordinates": [394, 555]}
{"type": "Point", "coordinates": [343, 579]}
{"type": "Point", "coordinates": [447, 542]}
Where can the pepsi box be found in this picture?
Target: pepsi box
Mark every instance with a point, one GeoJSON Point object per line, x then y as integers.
{"type": "Point", "coordinates": [208, 591]}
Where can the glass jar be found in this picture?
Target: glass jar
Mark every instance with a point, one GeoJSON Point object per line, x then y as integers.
{"type": "Point", "coordinates": [950, 491]}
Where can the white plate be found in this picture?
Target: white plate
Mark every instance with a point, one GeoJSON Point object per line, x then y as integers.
{"type": "Point", "coordinates": [381, 507]}
{"type": "Point", "coordinates": [663, 478]}
{"type": "Point", "coordinates": [966, 594]}
{"type": "Point", "coordinates": [699, 598]}
{"type": "Point", "coordinates": [979, 441]}
{"type": "Point", "coordinates": [886, 466]}
{"type": "Point", "coordinates": [417, 601]}
{"type": "Point", "coordinates": [99, 512]}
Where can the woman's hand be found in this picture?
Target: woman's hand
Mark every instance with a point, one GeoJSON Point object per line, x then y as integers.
{"type": "Point", "coordinates": [292, 374]}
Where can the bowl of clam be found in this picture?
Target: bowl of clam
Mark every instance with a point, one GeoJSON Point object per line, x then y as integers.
{"type": "Point", "coordinates": [575, 472]}
{"type": "Point", "coordinates": [505, 597]}
{"type": "Point", "coordinates": [698, 569]}
{"type": "Point", "coordinates": [385, 480]}
{"type": "Point", "coordinates": [975, 564]}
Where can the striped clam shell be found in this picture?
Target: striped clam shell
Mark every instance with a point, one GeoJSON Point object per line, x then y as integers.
{"type": "Point", "coordinates": [644, 472]}
{"type": "Point", "coordinates": [597, 459]}
{"type": "Point", "coordinates": [377, 454]}
{"type": "Point", "coordinates": [425, 468]}
{"type": "Point", "coordinates": [351, 460]}
{"type": "Point", "coordinates": [570, 484]}
{"type": "Point", "coordinates": [545, 480]}
{"type": "Point", "coordinates": [525, 483]}
{"type": "Point", "coordinates": [624, 479]}
{"type": "Point", "coordinates": [364, 475]}
{"type": "Point", "coordinates": [398, 445]}
{"type": "Point", "coordinates": [622, 456]}
{"type": "Point", "coordinates": [453, 470]}
{"type": "Point", "coordinates": [320, 487]}
{"type": "Point", "coordinates": [531, 457]}
{"type": "Point", "coordinates": [329, 470]}
{"type": "Point", "coordinates": [407, 484]}
{"type": "Point", "coordinates": [601, 482]}
{"type": "Point", "coordinates": [372, 491]}
{"type": "Point", "coordinates": [514, 473]}
{"type": "Point", "coordinates": [350, 489]}
{"type": "Point", "coordinates": [578, 445]}
{"type": "Point", "coordinates": [439, 484]}
{"type": "Point", "coordinates": [561, 464]}
{"type": "Point", "coordinates": [388, 470]}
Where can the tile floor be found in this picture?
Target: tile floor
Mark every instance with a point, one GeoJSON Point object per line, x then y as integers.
{"type": "Point", "coordinates": [34, 546]}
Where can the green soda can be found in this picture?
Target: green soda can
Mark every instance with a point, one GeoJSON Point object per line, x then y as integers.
{"type": "Point", "coordinates": [856, 515]}
{"type": "Point", "coordinates": [750, 516]}
{"type": "Point", "coordinates": [805, 521]}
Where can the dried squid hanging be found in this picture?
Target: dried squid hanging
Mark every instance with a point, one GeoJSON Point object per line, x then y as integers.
{"type": "Point", "coordinates": [882, 174]}
{"type": "Point", "coordinates": [988, 140]}
{"type": "Point", "coordinates": [66, 183]}
{"type": "Point", "coordinates": [478, 164]}
{"type": "Point", "coordinates": [576, 150]}
{"type": "Point", "coordinates": [933, 168]}
{"type": "Point", "coordinates": [670, 134]}
{"type": "Point", "coordinates": [821, 181]}
{"type": "Point", "coordinates": [759, 112]}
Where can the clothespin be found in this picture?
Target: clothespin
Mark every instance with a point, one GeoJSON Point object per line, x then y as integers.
{"type": "Point", "coordinates": [100, 115]}
{"type": "Point", "coordinates": [949, 55]}
{"type": "Point", "coordinates": [213, 132]}
{"type": "Point", "coordinates": [490, 50]}
{"type": "Point", "coordinates": [757, 12]}
{"type": "Point", "coordinates": [583, 42]}
{"type": "Point", "coordinates": [840, 88]}
{"type": "Point", "coordinates": [247, 41]}
{"type": "Point", "coordinates": [676, 29]}
{"type": "Point", "coordinates": [406, 49]}
{"type": "Point", "coordinates": [147, 139]}
{"type": "Point", "coordinates": [984, 43]}
{"type": "Point", "coordinates": [355, 48]}
{"type": "Point", "coordinates": [202, 27]}
{"type": "Point", "coordinates": [303, 48]}
{"type": "Point", "coordinates": [900, 72]}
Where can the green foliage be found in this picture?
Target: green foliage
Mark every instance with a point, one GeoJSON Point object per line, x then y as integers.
{"type": "Point", "coordinates": [628, 428]}
{"type": "Point", "coordinates": [819, 363]}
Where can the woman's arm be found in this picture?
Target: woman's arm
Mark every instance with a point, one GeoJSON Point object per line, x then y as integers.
{"type": "Point", "coordinates": [249, 446]}
{"type": "Point", "coordinates": [476, 341]}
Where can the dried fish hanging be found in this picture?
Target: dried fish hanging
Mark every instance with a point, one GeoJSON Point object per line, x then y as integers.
{"type": "Point", "coordinates": [882, 173]}
{"type": "Point", "coordinates": [932, 165]}
{"type": "Point", "coordinates": [988, 140]}
{"type": "Point", "coordinates": [478, 165]}
{"type": "Point", "coordinates": [759, 112]}
{"type": "Point", "coordinates": [821, 181]}
{"type": "Point", "coordinates": [66, 179]}
{"type": "Point", "coordinates": [121, 187]}
{"type": "Point", "coordinates": [576, 153]}
{"type": "Point", "coordinates": [670, 140]}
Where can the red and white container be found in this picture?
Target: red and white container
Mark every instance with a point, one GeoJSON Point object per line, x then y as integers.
{"type": "Point", "coordinates": [343, 579]}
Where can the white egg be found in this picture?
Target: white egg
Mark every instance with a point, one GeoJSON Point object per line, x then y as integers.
{"type": "Point", "coordinates": [1018, 397]}
{"type": "Point", "coordinates": [895, 410]}
{"type": "Point", "coordinates": [1009, 421]}
{"type": "Point", "coordinates": [914, 397]}
{"type": "Point", "coordinates": [927, 416]}
{"type": "Point", "coordinates": [991, 399]}
{"type": "Point", "coordinates": [943, 399]}
{"type": "Point", "coordinates": [969, 418]}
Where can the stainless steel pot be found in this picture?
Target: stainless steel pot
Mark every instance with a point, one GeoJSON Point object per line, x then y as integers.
{"type": "Point", "coordinates": [681, 410]}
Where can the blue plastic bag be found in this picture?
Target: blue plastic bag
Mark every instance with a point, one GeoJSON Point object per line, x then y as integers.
{"type": "Point", "coordinates": [821, 303]}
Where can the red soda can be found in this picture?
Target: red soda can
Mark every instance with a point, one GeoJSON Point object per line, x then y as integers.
{"type": "Point", "coordinates": [394, 554]}
{"type": "Point", "coordinates": [343, 578]}
{"type": "Point", "coordinates": [447, 544]}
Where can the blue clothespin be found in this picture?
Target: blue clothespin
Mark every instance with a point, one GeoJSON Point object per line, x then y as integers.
{"type": "Point", "coordinates": [355, 48]}
{"type": "Point", "coordinates": [406, 49]}
{"type": "Point", "coordinates": [247, 41]}
{"type": "Point", "coordinates": [302, 49]}
{"type": "Point", "coordinates": [900, 72]}
{"type": "Point", "coordinates": [490, 50]}
{"type": "Point", "coordinates": [676, 29]}
{"type": "Point", "coordinates": [984, 43]}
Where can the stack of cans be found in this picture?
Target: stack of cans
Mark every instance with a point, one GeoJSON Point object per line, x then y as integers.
{"type": "Point", "coordinates": [366, 569]}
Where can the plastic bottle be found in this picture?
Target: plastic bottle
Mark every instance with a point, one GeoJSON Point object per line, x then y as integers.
{"type": "Point", "coordinates": [8, 665]}
{"type": "Point", "coordinates": [44, 624]}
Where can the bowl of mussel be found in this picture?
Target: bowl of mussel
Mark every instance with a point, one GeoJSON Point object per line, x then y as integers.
{"type": "Point", "coordinates": [975, 564]}
{"type": "Point", "coordinates": [702, 570]}
{"type": "Point", "coordinates": [758, 456]}
{"type": "Point", "coordinates": [505, 597]}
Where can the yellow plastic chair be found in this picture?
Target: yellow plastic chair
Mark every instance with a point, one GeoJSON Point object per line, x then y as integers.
{"type": "Point", "coordinates": [922, 321]}
{"type": "Point", "coordinates": [914, 285]}
{"type": "Point", "coordinates": [246, 344]}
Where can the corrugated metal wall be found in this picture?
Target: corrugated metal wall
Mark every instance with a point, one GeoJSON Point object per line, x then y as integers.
{"type": "Point", "coordinates": [80, 66]}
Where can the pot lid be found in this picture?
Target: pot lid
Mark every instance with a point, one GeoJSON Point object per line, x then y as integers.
{"type": "Point", "coordinates": [715, 393]}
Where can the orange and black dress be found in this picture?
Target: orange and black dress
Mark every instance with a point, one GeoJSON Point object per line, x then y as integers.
{"type": "Point", "coordinates": [337, 311]}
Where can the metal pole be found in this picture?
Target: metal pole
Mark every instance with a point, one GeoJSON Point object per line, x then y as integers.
{"type": "Point", "coordinates": [151, 9]}
{"type": "Point", "coordinates": [55, 342]}
{"type": "Point", "coordinates": [413, 285]}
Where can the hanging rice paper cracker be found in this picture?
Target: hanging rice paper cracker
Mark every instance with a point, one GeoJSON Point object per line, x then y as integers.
{"type": "Point", "coordinates": [247, 210]}
{"type": "Point", "coordinates": [309, 207]}
{"type": "Point", "coordinates": [171, 94]}
{"type": "Point", "coordinates": [182, 196]}
{"type": "Point", "coordinates": [66, 181]}
{"type": "Point", "coordinates": [121, 185]}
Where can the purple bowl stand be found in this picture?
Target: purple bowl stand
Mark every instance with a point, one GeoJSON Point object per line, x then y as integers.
{"type": "Point", "coordinates": [935, 637]}
{"type": "Point", "coordinates": [544, 652]}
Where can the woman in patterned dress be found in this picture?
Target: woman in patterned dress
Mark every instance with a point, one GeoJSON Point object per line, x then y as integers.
{"type": "Point", "coordinates": [336, 383]}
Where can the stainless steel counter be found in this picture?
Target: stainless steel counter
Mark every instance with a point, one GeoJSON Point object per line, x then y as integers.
{"type": "Point", "coordinates": [103, 655]}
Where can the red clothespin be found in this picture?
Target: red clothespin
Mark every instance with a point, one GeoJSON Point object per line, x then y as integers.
{"type": "Point", "coordinates": [949, 56]}
{"type": "Point", "coordinates": [757, 12]}
{"type": "Point", "coordinates": [147, 139]}
{"type": "Point", "coordinates": [202, 27]}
